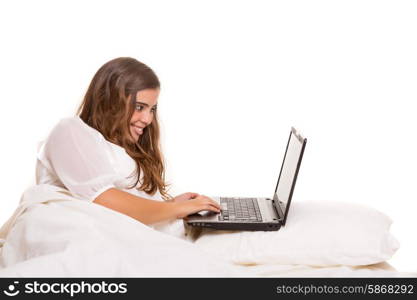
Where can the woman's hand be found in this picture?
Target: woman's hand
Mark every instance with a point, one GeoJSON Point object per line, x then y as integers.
{"type": "Point", "coordinates": [190, 203]}
{"type": "Point", "coordinates": [184, 197]}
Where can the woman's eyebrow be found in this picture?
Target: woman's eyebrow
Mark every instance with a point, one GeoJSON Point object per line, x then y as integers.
{"type": "Point", "coordinates": [144, 104]}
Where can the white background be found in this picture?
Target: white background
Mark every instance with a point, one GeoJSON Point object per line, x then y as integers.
{"type": "Point", "coordinates": [235, 75]}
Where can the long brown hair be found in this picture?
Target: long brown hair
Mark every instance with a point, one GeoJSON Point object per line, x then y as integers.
{"type": "Point", "coordinates": [108, 106]}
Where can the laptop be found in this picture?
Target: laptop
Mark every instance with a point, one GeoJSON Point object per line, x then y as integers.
{"type": "Point", "coordinates": [258, 214]}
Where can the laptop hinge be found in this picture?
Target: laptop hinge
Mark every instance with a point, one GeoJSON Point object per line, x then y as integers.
{"type": "Point", "coordinates": [278, 211]}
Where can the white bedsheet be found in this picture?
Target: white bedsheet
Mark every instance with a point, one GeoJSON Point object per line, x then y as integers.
{"type": "Point", "coordinates": [55, 235]}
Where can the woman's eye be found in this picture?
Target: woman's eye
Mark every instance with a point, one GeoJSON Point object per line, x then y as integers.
{"type": "Point", "coordinates": [139, 107]}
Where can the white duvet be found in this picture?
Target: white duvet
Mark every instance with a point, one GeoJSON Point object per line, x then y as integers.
{"type": "Point", "coordinates": [55, 235]}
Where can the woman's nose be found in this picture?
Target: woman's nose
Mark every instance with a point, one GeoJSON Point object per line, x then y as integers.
{"type": "Point", "coordinates": [146, 118]}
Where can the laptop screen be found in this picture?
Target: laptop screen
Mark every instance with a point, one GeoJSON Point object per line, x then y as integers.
{"type": "Point", "coordinates": [289, 171]}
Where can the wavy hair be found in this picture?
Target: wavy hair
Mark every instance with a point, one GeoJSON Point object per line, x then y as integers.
{"type": "Point", "coordinates": [108, 106]}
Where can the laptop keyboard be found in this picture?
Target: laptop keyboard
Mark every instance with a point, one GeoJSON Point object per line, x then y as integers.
{"type": "Point", "coordinates": [240, 209]}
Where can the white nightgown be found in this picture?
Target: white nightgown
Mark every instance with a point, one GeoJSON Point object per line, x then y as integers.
{"type": "Point", "coordinates": [77, 157]}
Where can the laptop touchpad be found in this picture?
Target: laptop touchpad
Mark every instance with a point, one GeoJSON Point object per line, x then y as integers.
{"type": "Point", "coordinates": [203, 213]}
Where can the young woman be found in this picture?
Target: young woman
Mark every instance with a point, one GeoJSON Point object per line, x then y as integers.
{"type": "Point", "coordinates": [109, 153]}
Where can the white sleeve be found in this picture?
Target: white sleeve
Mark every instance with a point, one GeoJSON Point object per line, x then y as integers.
{"type": "Point", "coordinates": [78, 156]}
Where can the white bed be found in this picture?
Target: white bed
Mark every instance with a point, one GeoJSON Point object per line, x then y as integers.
{"type": "Point", "coordinates": [66, 237]}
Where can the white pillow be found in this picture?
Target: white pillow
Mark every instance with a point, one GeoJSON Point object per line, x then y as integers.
{"type": "Point", "coordinates": [316, 233]}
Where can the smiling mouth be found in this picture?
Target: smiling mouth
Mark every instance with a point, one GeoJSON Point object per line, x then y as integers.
{"type": "Point", "coordinates": [138, 130]}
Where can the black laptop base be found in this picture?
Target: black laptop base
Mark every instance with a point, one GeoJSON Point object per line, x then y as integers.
{"type": "Point", "coordinates": [237, 226]}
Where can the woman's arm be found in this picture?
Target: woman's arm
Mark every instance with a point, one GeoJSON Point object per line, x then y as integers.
{"type": "Point", "coordinates": [150, 211]}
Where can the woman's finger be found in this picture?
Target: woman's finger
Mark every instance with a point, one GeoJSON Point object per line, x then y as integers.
{"type": "Point", "coordinates": [212, 208]}
{"type": "Point", "coordinates": [209, 199]}
{"type": "Point", "coordinates": [215, 203]}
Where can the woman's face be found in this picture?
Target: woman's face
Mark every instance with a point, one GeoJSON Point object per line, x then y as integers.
{"type": "Point", "coordinates": [145, 107]}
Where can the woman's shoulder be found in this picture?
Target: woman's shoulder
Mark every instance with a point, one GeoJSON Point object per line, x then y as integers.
{"type": "Point", "coordinates": [73, 122]}
{"type": "Point", "coordinates": [75, 125]}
